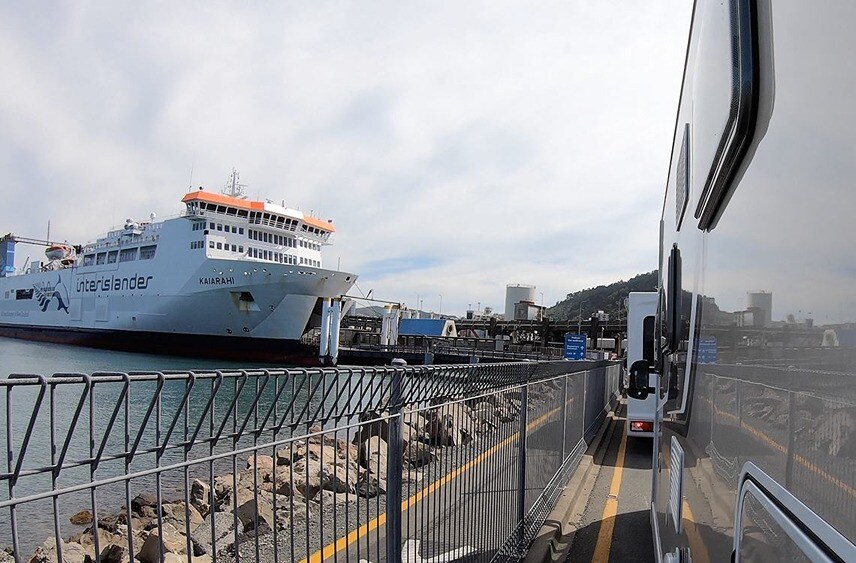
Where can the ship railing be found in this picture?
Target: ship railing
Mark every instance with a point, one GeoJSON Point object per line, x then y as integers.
{"type": "Point", "coordinates": [340, 464]}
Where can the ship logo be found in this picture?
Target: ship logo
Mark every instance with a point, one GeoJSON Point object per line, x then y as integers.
{"type": "Point", "coordinates": [45, 293]}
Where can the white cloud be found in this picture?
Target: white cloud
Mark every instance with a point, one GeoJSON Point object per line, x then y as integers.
{"type": "Point", "coordinates": [492, 143]}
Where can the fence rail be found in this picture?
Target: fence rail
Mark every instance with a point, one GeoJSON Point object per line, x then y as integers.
{"type": "Point", "coordinates": [347, 464]}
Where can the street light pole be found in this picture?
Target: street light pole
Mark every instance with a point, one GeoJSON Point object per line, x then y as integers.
{"type": "Point", "coordinates": [441, 304]}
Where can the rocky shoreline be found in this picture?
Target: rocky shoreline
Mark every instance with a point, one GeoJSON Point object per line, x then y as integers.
{"type": "Point", "coordinates": [289, 491]}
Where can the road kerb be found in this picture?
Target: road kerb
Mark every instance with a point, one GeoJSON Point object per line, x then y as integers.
{"type": "Point", "coordinates": [556, 535]}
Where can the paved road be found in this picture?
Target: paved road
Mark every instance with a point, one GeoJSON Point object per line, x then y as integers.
{"type": "Point", "coordinates": [462, 508]}
{"type": "Point", "coordinates": [626, 536]}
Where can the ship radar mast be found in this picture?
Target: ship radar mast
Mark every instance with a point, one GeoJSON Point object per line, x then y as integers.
{"type": "Point", "coordinates": [233, 187]}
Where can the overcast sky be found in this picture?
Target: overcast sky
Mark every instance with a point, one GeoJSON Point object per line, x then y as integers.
{"type": "Point", "coordinates": [458, 147]}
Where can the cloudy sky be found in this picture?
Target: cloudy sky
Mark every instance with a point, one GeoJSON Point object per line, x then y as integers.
{"type": "Point", "coordinates": [458, 146]}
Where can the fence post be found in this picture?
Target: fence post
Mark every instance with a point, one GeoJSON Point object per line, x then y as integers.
{"type": "Point", "coordinates": [393, 471]}
{"type": "Point", "coordinates": [521, 464]}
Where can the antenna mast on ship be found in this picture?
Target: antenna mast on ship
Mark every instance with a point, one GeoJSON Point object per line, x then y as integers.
{"type": "Point", "coordinates": [233, 187]}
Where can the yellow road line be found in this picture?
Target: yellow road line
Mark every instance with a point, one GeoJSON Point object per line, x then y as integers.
{"type": "Point", "coordinates": [697, 546]}
{"type": "Point", "coordinates": [340, 544]}
{"type": "Point", "coordinates": [610, 510]}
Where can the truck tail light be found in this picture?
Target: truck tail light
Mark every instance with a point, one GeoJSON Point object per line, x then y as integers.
{"type": "Point", "coordinates": [641, 426]}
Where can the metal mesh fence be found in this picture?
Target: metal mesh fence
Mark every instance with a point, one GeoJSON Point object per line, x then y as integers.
{"type": "Point", "coordinates": [363, 464]}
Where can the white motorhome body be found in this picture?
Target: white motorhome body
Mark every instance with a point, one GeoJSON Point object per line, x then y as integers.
{"type": "Point", "coordinates": [641, 312]}
{"type": "Point", "coordinates": [755, 453]}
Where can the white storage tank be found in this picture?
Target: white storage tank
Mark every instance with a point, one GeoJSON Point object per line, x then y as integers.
{"type": "Point", "coordinates": [514, 294]}
{"type": "Point", "coordinates": [761, 304]}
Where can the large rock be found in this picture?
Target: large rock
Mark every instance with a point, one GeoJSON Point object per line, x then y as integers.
{"type": "Point", "coordinates": [174, 513]}
{"type": "Point", "coordinates": [173, 542]}
{"type": "Point", "coordinates": [143, 500]}
{"type": "Point", "coordinates": [306, 479]}
{"type": "Point", "coordinates": [82, 518]}
{"type": "Point", "coordinates": [418, 454]}
{"type": "Point", "coordinates": [373, 456]}
{"type": "Point", "coordinates": [369, 486]}
{"type": "Point", "coordinates": [339, 477]}
{"type": "Point", "coordinates": [115, 553]}
{"type": "Point", "coordinates": [450, 425]}
{"type": "Point", "coordinates": [328, 439]}
{"type": "Point", "coordinates": [292, 452]}
{"type": "Point", "coordinates": [485, 417]}
{"type": "Point", "coordinates": [263, 462]}
{"type": "Point", "coordinates": [71, 553]}
{"type": "Point", "coordinates": [105, 537]}
{"type": "Point", "coordinates": [250, 505]}
{"type": "Point", "coordinates": [200, 496]}
{"type": "Point", "coordinates": [224, 532]}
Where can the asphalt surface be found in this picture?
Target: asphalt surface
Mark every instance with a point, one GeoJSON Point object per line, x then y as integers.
{"type": "Point", "coordinates": [631, 539]}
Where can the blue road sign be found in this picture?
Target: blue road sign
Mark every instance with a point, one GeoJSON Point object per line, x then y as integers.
{"type": "Point", "coordinates": [706, 351]}
{"type": "Point", "coordinates": [575, 346]}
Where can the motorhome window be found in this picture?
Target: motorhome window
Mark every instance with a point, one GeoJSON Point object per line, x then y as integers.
{"type": "Point", "coordinates": [148, 252]}
{"type": "Point", "coordinates": [101, 258]}
{"type": "Point", "coordinates": [724, 104]}
{"type": "Point", "coordinates": [128, 255]}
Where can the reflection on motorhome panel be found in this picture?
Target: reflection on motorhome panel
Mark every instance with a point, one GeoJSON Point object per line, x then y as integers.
{"type": "Point", "coordinates": [766, 367]}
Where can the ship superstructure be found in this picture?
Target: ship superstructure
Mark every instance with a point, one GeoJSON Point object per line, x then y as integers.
{"type": "Point", "coordinates": [229, 277]}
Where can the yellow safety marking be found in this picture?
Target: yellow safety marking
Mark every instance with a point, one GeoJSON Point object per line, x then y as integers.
{"type": "Point", "coordinates": [697, 547]}
{"type": "Point", "coordinates": [354, 535]}
{"type": "Point", "coordinates": [850, 490]}
{"type": "Point", "coordinates": [607, 519]}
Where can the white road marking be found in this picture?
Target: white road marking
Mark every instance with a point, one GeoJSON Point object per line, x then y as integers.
{"type": "Point", "coordinates": [410, 554]}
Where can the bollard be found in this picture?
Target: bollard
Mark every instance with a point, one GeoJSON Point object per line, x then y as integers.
{"type": "Point", "coordinates": [393, 471]}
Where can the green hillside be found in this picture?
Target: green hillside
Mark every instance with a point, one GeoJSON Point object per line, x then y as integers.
{"type": "Point", "coordinates": [607, 298]}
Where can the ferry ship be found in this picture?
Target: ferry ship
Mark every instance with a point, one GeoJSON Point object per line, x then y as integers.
{"type": "Point", "coordinates": [228, 277]}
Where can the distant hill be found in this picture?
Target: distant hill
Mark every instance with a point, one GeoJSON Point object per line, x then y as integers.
{"type": "Point", "coordinates": [607, 298]}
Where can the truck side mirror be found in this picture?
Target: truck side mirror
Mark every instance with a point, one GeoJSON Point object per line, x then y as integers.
{"type": "Point", "coordinates": [638, 385]}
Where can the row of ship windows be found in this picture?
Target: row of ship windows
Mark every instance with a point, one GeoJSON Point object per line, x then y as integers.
{"type": "Point", "coordinates": [124, 255]}
{"type": "Point", "coordinates": [262, 254]}
{"type": "Point", "coordinates": [260, 236]}
{"type": "Point", "coordinates": [271, 238]}
{"type": "Point", "coordinates": [280, 240]}
{"type": "Point", "coordinates": [259, 253]}
{"type": "Point", "coordinates": [221, 246]}
{"type": "Point", "coordinates": [221, 227]}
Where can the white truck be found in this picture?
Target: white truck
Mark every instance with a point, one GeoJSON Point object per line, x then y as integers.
{"type": "Point", "coordinates": [641, 312]}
